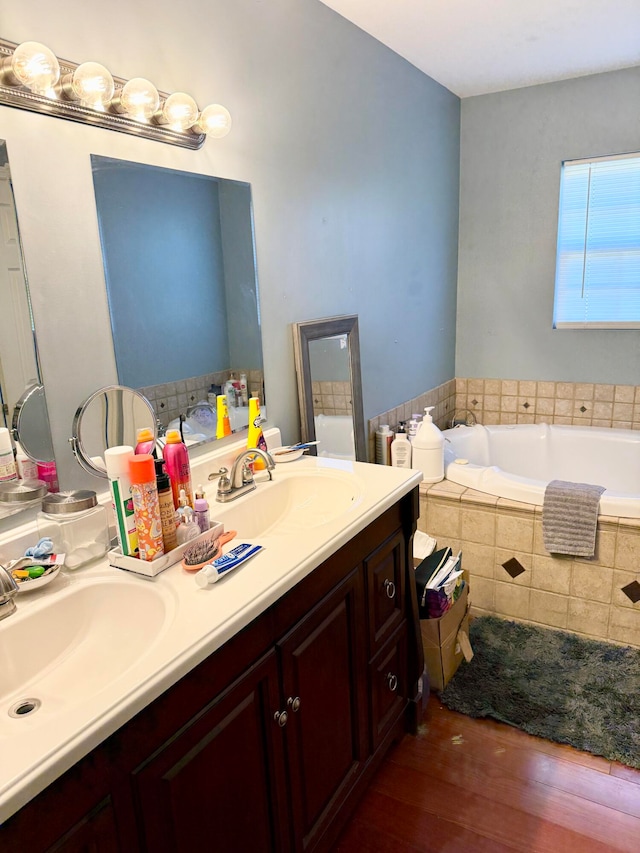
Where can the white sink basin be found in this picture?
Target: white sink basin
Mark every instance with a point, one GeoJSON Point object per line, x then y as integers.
{"type": "Point", "coordinates": [79, 640]}
{"type": "Point", "coordinates": [288, 505]}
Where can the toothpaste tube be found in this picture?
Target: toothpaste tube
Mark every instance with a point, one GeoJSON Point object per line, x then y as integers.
{"type": "Point", "coordinates": [215, 570]}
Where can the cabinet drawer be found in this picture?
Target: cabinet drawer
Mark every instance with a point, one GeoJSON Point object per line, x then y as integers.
{"type": "Point", "coordinates": [388, 673]}
{"type": "Point", "coordinates": [385, 590]}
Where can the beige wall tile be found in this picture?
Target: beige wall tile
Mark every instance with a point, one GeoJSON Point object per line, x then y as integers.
{"type": "Point", "coordinates": [592, 582]}
{"type": "Point", "coordinates": [620, 580]}
{"type": "Point", "coordinates": [477, 525]}
{"type": "Point", "coordinates": [527, 389]}
{"type": "Point", "coordinates": [444, 489]}
{"type": "Point", "coordinates": [514, 531]}
{"type": "Point", "coordinates": [624, 625]}
{"type": "Point", "coordinates": [627, 549]}
{"type": "Point", "coordinates": [547, 608]}
{"type": "Point", "coordinates": [546, 389]}
{"type": "Point", "coordinates": [588, 617]}
{"type": "Point", "coordinates": [545, 405]}
{"type": "Point", "coordinates": [481, 593]}
{"type": "Point", "coordinates": [563, 407]}
{"type": "Point", "coordinates": [511, 600]}
{"type": "Point", "coordinates": [510, 387]}
{"type": "Point", "coordinates": [492, 402]}
{"type": "Point", "coordinates": [493, 386]}
{"type": "Point", "coordinates": [509, 403]}
{"type": "Point", "coordinates": [622, 411]}
{"type": "Point", "coordinates": [603, 410]}
{"type": "Point", "coordinates": [624, 393]}
{"type": "Point", "coordinates": [565, 390]}
{"type": "Point", "coordinates": [475, 386]}
{"type": "Point", "coordinates": [584, 390]}
{"type": "Point", "coordinates": [508, 417]}
{"type": "Point", "coordinates": [478, 559]}
{"type": "Point", "coordinates": [552, 574]}
{"type": "Point", "coordinates": [605, 548]}
{"type": "Point", "coordinates": [603, 392]}
{"type": "Point", "coordinates": [443, 519]}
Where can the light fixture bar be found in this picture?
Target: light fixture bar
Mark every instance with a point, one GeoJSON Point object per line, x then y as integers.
{"type": "Point", "coordinates": [21, 97]}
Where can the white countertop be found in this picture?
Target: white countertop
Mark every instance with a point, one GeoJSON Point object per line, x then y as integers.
{"type": "Point", "coordinates": [38, 748]}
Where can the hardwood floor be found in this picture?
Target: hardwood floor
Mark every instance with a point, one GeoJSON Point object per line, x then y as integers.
{"type": "Point", "coordinates": [478, 786]}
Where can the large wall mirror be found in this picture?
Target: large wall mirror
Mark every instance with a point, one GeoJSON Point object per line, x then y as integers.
{"type": "Point", "coordinates": [327, 358]}
{"type": "Point", "coordinates": [23, 408]}
{"type": "Point", "coordinates": [179, 260]}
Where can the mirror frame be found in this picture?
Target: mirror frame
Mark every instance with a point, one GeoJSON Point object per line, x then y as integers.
{"type": "Point", "coordinates": [76, 442]}
{"type": "Point", "coordinates": [313, 330]}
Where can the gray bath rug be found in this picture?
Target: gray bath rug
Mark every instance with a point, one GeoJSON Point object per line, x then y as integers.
{"type": "Point", "coordinates": [552, 684]}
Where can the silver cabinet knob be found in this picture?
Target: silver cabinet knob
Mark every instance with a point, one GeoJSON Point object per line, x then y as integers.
{"type": "Point", "coordinates": [294, 703]}
{"type": "Point", "coordinates": [389, 588]}
{"type": "Point", "coordinates": [281, 718]}
{"type": "Point", "coordinates": [392, 682]}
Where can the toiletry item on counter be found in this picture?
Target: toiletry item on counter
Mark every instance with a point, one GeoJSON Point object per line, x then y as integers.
{"type": "Point", "coordinates": [256, 436]}
{"type": "Point", "coordinates": [145, 444]}
{"type": "Point", "coordinates": [167, 509]}
{"type": "Point", "coordinates": [215, 570]}
{"type": "Point", "coordinates": [146, 507]}
{"type": "Point", "coordinates": [428, 450]}
{"type": "Point", "coordinates": [412, 427]}
{"type": "Point", "coordinates": [187, 528]}
{"type": "Point", "coordinates": [384, 437]}
{"type": "Point", "coordinates": [48, 473]}
{"type": "Point", "coordinates": [205, 551]}
{"type": "Point", "coordinates": [75, 524]}
{"type": "Point", "coordinates": [117, 464]}
{"type": "Point", "coordinates": [176, 457]}
{"type": "Point", "coordinates": [27, 467]}
{"type": "Point", "coordinates": [223, 426]}
{"type": "Point", "coordinates": [230, 390]}
{"type": "Point", "coordinates": [201, 514]}
{"type": "Point", "coordinates": [244, 394]}
{"type": "Point", "coordinates": [401, 449]}
{"type": "Point", "coordinates": [8, 470]}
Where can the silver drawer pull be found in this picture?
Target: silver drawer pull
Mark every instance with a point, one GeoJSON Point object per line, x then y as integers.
{"type": "Point", "coordinates": [281, 718]}
{"type": "Point", "coordinates": [294, 703]}
{"type": "Point", "coordinates": [389, 588]}
{"type": "Point", "coordinates": [392, 682]}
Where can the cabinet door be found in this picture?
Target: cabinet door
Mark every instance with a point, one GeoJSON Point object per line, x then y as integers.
{"type": "Point", "coordinates": [219, 783]}
{"type": "Point", "coordinates": [324, 679]}
{"type": "Point", "coordinates": [385, 590]}
{"type": "Point", "coordinates": [388, 686]}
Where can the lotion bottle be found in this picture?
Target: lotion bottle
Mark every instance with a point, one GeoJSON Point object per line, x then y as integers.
{"type": "Point", "coordinates": [401, 449]}
{"type": "Point", "coordinates": [384, 437]}
{"type": "Point", "coordinates": [428, 449]}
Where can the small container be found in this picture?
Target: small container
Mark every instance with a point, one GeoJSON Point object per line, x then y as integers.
{"type": "Point", "coordinates": [401, 449]}
{"type": "Point", "coordinates": [384, 437]}
{"type": "Point", "coordinates": [167, 510]}
{"type": "Point", "coordinates": [27, 467]}
{"type": "Point", "coordinates": [48, 473]}
{"type": "Point", "coordinates": [145, 444]}
{"type": "Point", "coordinates": [201, 514]}
{"type": "Point", "coordinates": [77, 525]}
{"type": "Point", "coordinates": [8, 470]}
{"type": "Point", "coordinates": [146, 506]}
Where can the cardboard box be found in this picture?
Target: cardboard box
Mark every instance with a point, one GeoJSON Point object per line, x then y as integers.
{"type": "Point", "coordinates": [446, 641]}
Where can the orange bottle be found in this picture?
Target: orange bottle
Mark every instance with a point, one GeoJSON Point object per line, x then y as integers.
{"type": "Point", "coordinates": [146, 506]}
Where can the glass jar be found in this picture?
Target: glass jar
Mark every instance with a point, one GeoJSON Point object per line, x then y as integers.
{"type": "Point", "coordinates": [77, 526]}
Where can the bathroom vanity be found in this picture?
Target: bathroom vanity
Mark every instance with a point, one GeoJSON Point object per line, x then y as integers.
{"type": "Point", "coordinates": [273, 714]}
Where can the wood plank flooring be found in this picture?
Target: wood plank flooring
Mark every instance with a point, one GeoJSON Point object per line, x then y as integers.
{"type": "Point", "coordinates": [478, 786]}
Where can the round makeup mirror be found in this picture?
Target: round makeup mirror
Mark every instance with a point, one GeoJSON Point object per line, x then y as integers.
{"type": "Point", "coordinates": [110, 417]}
{"type": "Point", "coordinates": [30, 424]}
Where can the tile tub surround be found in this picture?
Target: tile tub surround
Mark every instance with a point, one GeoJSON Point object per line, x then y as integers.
{"type": "Point", "coordinates": [332, 397]}
{"type": "Point", "coordinates": [576, 594]}
{"type": "Point", "coordinates": [513, 401]}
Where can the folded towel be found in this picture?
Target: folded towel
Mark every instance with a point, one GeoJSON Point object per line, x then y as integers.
{"type": "Point", "coordinates": [570, 518]}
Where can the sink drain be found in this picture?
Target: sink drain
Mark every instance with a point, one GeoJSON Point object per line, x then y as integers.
{"type": "Point", "coordinates": [24, 707]}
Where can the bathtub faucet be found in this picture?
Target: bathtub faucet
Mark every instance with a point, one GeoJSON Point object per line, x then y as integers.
{"type": "Point", "coordinates": [464, 418]}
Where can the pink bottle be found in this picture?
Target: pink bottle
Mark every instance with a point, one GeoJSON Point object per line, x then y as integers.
{"type": "Point", "coordinates": [48, 473]}
{"type": "Point", "coordinates": [145, 444]}
{"type": "Point", "coordinates": [176, 457]}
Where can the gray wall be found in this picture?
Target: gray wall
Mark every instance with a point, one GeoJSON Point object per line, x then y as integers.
{"type": "Point", "coordinates": [512, 146]}
{"type": "Point", "coordinates": [353, 158]}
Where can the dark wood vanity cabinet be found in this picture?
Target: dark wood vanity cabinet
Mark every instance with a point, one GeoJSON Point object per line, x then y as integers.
{"type": "Point", "coordinates": [267, 744]}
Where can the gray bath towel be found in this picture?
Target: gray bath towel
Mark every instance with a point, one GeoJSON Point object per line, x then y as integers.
{"type": "Point", "coordinates": [570, 518]}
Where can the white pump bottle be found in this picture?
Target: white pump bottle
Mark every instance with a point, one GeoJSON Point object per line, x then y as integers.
{"type": "Point", "coordinates": [428, 450]}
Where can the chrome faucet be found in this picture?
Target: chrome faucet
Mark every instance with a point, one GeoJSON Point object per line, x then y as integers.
{"type": "Point", "coordinates": [240, 480]}
{"type": "Point", "coordinates": [8, 589]}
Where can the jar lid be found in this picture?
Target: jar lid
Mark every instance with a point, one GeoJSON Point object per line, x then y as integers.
{"type": "Point", "coordinates": [65, 503]}
{"type": "Point", "coordinates": [21, 491]}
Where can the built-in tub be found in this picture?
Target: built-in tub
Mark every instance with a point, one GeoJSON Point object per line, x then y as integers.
{"type": "Point", "coordinates": [517, 462]}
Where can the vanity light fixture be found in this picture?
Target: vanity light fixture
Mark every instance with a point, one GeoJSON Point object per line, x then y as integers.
{"type": "Point", "coordinates": [33, 78]}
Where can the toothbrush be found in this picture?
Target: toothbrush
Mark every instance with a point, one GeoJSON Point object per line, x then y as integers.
{"type": "Point", "coordinates": [302, 445]}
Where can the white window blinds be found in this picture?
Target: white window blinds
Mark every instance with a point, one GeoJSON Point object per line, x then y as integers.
{"type": "Point", "coordinates": [598, 256]}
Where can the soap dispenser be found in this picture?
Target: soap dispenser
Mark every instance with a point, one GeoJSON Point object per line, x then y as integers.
{"type": "Point", "coordinates": [428, 449]}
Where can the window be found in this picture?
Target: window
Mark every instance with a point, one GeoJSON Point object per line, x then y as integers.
{"type": "Point", "coordinates": [598, 256]}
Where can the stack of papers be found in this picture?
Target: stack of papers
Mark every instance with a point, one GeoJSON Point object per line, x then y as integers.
{"type": "Point", "coordinates": [445, 575]}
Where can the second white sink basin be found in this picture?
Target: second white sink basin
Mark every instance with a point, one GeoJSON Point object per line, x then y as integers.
{"type": "Point", "coordinates": [291, 504]}
{"type": "Point", "coordinates": [79, 640]}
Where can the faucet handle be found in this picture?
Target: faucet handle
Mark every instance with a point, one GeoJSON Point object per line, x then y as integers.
{"type": "Point", "coordinates": [224, 483]}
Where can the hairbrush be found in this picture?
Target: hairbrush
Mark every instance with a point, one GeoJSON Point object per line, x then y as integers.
{"type": "Point", "coordinates": [204, 551]}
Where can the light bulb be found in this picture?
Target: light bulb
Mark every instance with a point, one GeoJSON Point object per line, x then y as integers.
{"type": "Point", "coordinates": [35, 67]}
{"type": "Point", "coordinates": [92, 85]}
{"type": "Point", "coordinates": [179, 111]}
{"type": "Point", "coordinates": [215, 120]}
{"type": "Point", "coordinates": [139, 99]}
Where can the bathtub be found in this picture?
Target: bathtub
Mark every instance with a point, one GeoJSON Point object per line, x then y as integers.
{"type": "Point", "coordinates": [517, 462]}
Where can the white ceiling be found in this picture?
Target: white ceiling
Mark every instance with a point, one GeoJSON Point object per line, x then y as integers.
{"type": "Point", "coordinates": [477, 46]}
